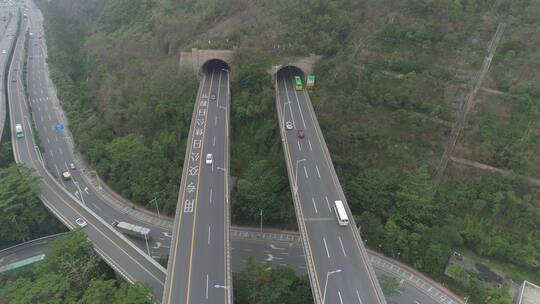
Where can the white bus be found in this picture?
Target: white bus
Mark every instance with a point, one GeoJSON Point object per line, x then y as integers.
{"type": "Point", "coordinates": [341, 214]}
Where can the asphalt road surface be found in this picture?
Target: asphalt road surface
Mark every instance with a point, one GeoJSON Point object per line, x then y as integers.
{"type": "Point", "coordinates": [337, 262]}
{"type": "Point", "coordinates": [55, 140]}
{"type": "Point", "coordinates": [276, 253]}
{"type": "Point", "coordinates": [60, 196]}
{"type": "Point", "coordinates": [199, 267]}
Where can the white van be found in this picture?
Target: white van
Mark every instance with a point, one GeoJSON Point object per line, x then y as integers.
{"type": "Point", "coordinates": [341, 214]}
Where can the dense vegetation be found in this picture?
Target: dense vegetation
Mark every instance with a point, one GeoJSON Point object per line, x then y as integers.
{"type": "Point", "coordinates": [70, 273]}
{"type": "Point", "coordinates": [391, 79]}
{"type": "Point", "coordinates": [263, 284]}
{"type": "Point", "coordinates": [22, 214]}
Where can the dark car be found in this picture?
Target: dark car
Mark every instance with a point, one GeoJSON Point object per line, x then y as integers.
{"type": "Point", "coordinates": [300, 133]}
{"type": "Point", "coordinates": [213, 96]}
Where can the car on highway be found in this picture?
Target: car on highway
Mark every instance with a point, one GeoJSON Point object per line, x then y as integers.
{"type": "Point", "coordinates": [213, 96]}
{"type": "Point", "coordinates": [4, 51]}
{"type": "Point", "coordinates": [209, 159]}
{"type": "Point", "coordinates": [80, 222]}
{"type": "Point", "coordinates": [72, 166]}
{"type": "Point", "coordinates": [19, 131]}
{"type": "Point", "coordinates": [301, 133]}
{"type": "Point", "coordinates": [289, 125]}
{"type": "Point", "coordinates": [66, 175]}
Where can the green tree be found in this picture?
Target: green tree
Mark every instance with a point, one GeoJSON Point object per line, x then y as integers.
{"type": "Point", "coordinates": [413, 200]}
{"type": "Point", "coordinates": [21, 213]}
{"type": "Point", "coordinates": [132, 294]}
{"type": "Point", "coordinates": [435, 260]}
{"type": "Point", "coordinates": [263, 284]}
{"type": "Point", "coordinates": [99, 292]}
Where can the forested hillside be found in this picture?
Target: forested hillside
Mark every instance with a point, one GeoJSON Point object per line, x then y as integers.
{"type": "Point", "coordinates": [392, 77]}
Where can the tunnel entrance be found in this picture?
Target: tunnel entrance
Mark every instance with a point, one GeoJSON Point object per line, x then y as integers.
{"type": "Point", "coordinates": [213, 65]}
{"type": "Point", "coordinates": [290, 71]}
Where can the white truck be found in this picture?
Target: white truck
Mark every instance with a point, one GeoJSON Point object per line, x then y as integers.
{"type": "Point", "coordinates": [132, 230]}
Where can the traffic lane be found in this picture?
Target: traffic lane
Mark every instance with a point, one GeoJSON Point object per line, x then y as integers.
{"type": "Point", "coordinates": [182, 230]}
{"type": "Point", "coordinates": [126, 259]}
{"type": "Point", "coordinates": [69, 211]}
{"type": "Point", "coordinates": [337, 237]}
{"type": "Point", "coordinates": [76, 185]}
{"type": "Point", "coordinates": [210, 238]}
{"type": "Point", "coordinates": [329, 240]}
{"type": "Point", "coordinates": [208, 268]}
{"type": "Point", "coordinates": [278, 254]}
{"type": "Point", "coordinates": [34, 249]}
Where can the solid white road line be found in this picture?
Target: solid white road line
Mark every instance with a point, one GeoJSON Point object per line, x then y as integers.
{"type": "Point", "coordinates": [358, 296]}
{"type": "Point", "coordinates": [328, 204]}
{"type": "Point", "coordinates": [325, 246]}
{"type": "Point", "coordinates": [305, 171]}
{"type": "Point", "coordinates": [340, 299]}
{"type": "Point", "coordinates": [314, 205]}
{"type": "Point", "coordinates": [309, 142]}
{"type": "Point", "coordinates": [299, 148]}
{"type": "Point", "coordinates": [209, 235]}
{"type": "Point", "coordinates": [342, 248]}
{"type": "Point", "coordinates": [214, 141]}
{"type": "Point", "coordinates": [206, 286]}
{"type": "Point", "coordinates": [318, 173]}
{"type": "Point", "coordinates": [210, 196]}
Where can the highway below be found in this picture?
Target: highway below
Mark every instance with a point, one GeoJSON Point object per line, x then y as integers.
{"type": "Point", "coordinates": [336, 259]}
{"type": "Point", "coordinates": [57, 144]}
{"type": "Point", "coordinates": [199, 261]}
{"type": "Point", "coordinates": [277, 250]}
{"type": "Point", "coordinates": [8, 26]}
{"type": "Point", "coordinates": [71, 199]}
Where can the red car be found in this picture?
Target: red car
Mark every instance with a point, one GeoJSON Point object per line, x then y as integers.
{"type": "Point", "coordinates": [300, 133]}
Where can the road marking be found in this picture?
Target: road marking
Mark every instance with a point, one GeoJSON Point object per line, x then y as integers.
{"type": "Point", "coordinates": [210, 196]}
{"type": "Point", "coordinates": [298, 103]}
{"type": "Point", "coordinates": [48, 141]}
{"type": "Point", "coordinates": [299, 148]}
{"type": "Point", "coordinates": [214, 141]}
{"type": "Point", "coordinates": [317, 219]}
{"type": "Point", "coordinates": [208, 235]}
{"type": "Point", "coordinates": [60, 151]}
{"type": "Point", "coordinates": [326, 247]}
{"type": "Point", "coordinates": [274, 247]}
{"type": "Point", "coordinates": [318, 173]}
{"type": "Point", "coordinates": [288, 102]}
{"type": "Point", "coordinates": [340, 299]}
{"type": "Point", "coordinates": [51, 152]}
{"type": "Point", "coordinates": [314, 205]}
{"type": "Point", "coordinates": [56, 137]}
{"type": "Point", "coordinates": [305, 171]}
{"type": "Point", "coordinates": [97, 207]}
{"type": "Point", "coordinates": [309, 142]}
{"type": "Point", "coordinates": [328, 204]}
{"type": "Point", "coordinates": [206, 286]}
{"type": "Point", "coordinates": [342, 248]}
{"type": "Point", "coordinates": [215, 121]}
{"type": "Point", "coordinates": [41, 118]}
{"type": "Point", "coordinates": [358, 296]}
